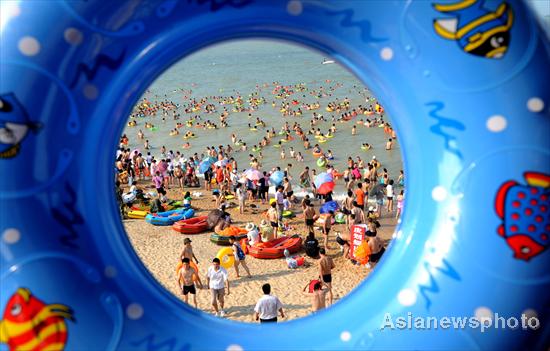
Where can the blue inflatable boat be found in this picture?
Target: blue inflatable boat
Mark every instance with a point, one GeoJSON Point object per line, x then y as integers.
{"type": "Point", "coordinates": [169, 217]}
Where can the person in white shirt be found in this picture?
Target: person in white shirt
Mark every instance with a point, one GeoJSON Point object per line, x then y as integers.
{"type": "Point", "coordinates": [279, 198]}
{"type": "Point", "coordinates": [241, 196]}
{"type": "Point", "coordinates": [253, 235]}
{"type": "Point", "coordinates": [267, 306]}
{"type": "Point", "coordinates": [389, 195]}
{"type": "Point", "coordinates": [217, 278]}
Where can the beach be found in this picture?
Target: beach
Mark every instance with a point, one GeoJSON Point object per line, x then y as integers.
{"type": "Point", "coordinates": [311, 128]}
{"type": "Point", "coordinates": [159, 249]}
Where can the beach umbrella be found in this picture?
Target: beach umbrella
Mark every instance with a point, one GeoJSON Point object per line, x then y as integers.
{"type": "Point", "coordinates": [204, 166]}
{"type": "Point", "coordinates": [324, 183]}
{"type": "Point", "coordinates": [276, 178]}
{"type": "Point", "coordinates": [253, 174]}
{"type": "Point", "coordinates": [378, 191]}
{"type": "Point", "coordinates": [209, 159]}
{"type": "Point", "coordinates": [221, 163]}
{"type": "Point", "coordinates": [322, 178]}
{"type": "Point", "coordinates": [325, 188]}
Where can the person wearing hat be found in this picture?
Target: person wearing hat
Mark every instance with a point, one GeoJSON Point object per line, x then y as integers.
{"type": "Point", "coordinates": [188, 251]}
{"type": "Point", "coordinates": [266, 230]}
{"type": "Point", "coordinates": [252, 235]}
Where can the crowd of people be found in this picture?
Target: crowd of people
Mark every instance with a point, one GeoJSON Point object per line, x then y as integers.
{"type": "Point", "coordinates": [371, 192]}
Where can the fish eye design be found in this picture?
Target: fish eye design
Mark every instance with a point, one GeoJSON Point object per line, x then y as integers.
{"type": "Point", "coordinates": [16, 309]}
{"type": "Point", "coordinates": [497, 41]}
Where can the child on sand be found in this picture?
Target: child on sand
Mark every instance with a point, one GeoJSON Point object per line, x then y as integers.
{"type": "Point", "coordinates": [188, 251]}
{"type": "Point", "coordinates": [400, 200]}
{"type": "Point", "coordinates": [239, 255]}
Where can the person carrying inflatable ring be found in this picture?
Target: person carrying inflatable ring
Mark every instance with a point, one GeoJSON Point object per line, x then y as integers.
{"type": "Point", "coordinates": [187, 276]}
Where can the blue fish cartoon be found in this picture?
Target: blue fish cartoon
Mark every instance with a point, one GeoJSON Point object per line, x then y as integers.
{"type": "Point", "coordinates": [14, 125]}
{"type": "Point", "coordinates": [477, 30]}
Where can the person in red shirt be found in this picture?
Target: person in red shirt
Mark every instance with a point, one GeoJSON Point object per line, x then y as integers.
{"type": "Point", "coordinates": [360, 196]}
{"type": "Point", "coordinates": [219, 175]}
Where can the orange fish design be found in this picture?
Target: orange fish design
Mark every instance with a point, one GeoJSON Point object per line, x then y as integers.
{"type": "Point", "coordinates": [30, 324]}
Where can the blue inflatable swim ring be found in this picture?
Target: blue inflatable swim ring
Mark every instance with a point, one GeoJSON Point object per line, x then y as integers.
{"type": "Point", "coordinates": [464, 80]}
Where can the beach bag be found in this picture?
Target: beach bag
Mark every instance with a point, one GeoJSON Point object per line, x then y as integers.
{"type": "Point", "coordinates": [240, 252]}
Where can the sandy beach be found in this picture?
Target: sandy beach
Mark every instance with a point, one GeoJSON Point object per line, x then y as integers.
{"type": "Point", "coordinates": [159, 249]}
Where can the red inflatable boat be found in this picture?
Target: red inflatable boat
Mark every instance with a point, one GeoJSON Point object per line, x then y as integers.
{"type": "Point", "coordinates": [276, 247]}
{"type": "Point", "coordinates": [191, 226]}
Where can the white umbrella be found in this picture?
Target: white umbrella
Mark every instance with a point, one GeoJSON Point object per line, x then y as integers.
{"type": "Point", "coordinates": [253, 174]}
{"type": "Point", "coordinates": [221, 163]}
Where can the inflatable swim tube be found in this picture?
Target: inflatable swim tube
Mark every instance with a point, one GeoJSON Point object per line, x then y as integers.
{"type": "Point", "coordinates": [321, 162]}
{"type": "Point", "coordinates": [91, 61]}
{"type": "Point", "coordinates": [317, 154]}
{"type": "Point", "coordinates": [288, 214]}
{"type": "Point", "coordinates": [226, 257]}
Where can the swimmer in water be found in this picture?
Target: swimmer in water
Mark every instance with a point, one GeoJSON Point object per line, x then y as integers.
{"type": "Point", "coordinates": [389, 144]}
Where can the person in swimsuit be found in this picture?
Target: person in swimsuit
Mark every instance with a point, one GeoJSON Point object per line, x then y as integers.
{"type": "Point", "coordinates": [325, 271]}
{"type": "Point", "coordinates": [186, 281]}
{"type": "Point", "coordinates": [309, 215]}
{"type": "Point", "coordinates": [318, 296]}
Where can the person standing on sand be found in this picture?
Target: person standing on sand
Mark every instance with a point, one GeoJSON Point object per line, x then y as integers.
{"type": "Point", "coordinates": [186, 281]}
{"type": "Point", "coordinates": [267, 306]}
{"type": "Point", "coordinates": [325, 271]}
{"type": "Point", "coordinates": [188, 251]}
{"type": "Point", "coordinates": [239, 255]}
{"type": "Point", "coordinates": [217, 278]}
{"type": "Point", "coordinates": [279, 198]}
{"type": "Point", "coordinates": [318, 296]}
{"type": "Point", "coordinates": [327, 224]}
{"type": "Point", "coordinates": [241, 196]}
{"type": "Point", "coordinates": [309, 215]}
{"type": "Point", "coordinates": [273, 218]}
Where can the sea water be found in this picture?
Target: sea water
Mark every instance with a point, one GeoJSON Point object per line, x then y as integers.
{"type": "Point", "coordinates": [237, 68]}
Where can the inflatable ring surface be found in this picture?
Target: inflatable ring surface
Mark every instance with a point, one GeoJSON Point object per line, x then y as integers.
{"type": "Point", "coordinates": [474, 236]}
{"type": "Point", "coordinates": [225, 255]}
